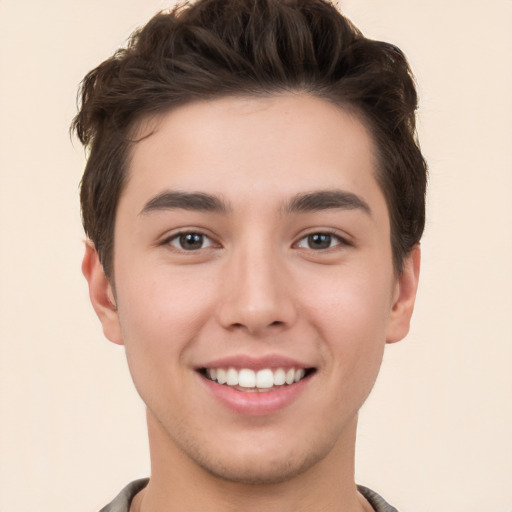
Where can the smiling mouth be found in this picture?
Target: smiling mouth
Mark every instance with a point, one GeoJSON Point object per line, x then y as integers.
{"type": "Point", "coordinates": [264, 380]}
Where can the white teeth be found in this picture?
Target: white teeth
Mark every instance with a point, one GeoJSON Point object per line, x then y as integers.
{"type": "Point", "coordinates": [221, 376]}
{"type": "Point", "coordinates": [247, 378]}
{"type": "Point", "coordinates": [262, 379]}
{"type": "Point", "coordinates": [299, 374]}
{"type": "Point", "coordinates": [232, 377]}
{"type": "Point", "coordinates": [265, 379]}
{"type": "Point", "coordinates": [279, 377]}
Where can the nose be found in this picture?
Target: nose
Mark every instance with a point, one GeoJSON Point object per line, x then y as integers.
{"type": "Point", "coordinates": [257, 294]}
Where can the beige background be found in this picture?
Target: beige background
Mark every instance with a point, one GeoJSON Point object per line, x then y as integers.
{"type": "Point", "coordinates": [436, 433]}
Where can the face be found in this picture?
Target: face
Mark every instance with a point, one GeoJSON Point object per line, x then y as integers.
{"type": "Point", "coordinates": [254, 285]}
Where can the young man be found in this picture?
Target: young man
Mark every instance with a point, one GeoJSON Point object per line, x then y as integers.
{"type": "Point", "coordinates": [253, 201]}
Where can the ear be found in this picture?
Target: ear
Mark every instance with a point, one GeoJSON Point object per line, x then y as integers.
{"type": "Point", "coordinates": [404, 297]}
{"type": "Point", "coordinates": [101, 294]}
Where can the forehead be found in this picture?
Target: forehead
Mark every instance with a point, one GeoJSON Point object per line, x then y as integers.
{"type": "Point", "coordinates": [252, 148]}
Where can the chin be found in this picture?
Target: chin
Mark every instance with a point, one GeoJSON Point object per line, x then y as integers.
{"type": "Point", "coordinates": [259, 452]}
{"type": "Point", "coordinates": [263, 460]}
{"type": "Point", "coordinates": [272, 470]}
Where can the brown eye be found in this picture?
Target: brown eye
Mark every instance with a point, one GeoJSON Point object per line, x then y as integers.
{"type": "Point", "coordinates": [320, 241]}
{"type": "Point", "coordinates": [190, 241]}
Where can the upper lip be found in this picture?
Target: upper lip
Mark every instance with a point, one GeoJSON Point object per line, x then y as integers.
{"type": "Point", "coordinates": [272, 361]}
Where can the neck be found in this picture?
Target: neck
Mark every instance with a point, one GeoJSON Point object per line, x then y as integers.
{"type": "Point", "coordinates": [177, 483]}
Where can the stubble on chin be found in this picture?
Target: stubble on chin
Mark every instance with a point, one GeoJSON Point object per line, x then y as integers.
{"type": "Point", "coordinates": [268, 469]}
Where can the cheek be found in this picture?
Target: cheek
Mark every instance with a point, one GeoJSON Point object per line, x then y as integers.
{"type": "Point", "coordinates": [160, 318]}
{"type": "Point", "coordinates": [352, 319]}
{"type": "Point", "coordinates": [355, 301]}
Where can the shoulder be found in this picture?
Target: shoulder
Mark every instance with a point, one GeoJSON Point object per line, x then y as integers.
{"type": "Point", "coordinates": [121, 502]}
{"type": "Point", "coordinates": [378, 503]}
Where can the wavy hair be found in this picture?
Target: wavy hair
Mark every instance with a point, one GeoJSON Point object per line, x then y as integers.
{"type": "Point", "coordinates": [213, 48]}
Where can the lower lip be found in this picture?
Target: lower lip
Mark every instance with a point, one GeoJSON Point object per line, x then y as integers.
{"type": "Point", "coordinates": [256, 403]}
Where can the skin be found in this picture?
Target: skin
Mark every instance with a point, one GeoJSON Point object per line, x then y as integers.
{"type": "Point", "coordinates": [256, 286]}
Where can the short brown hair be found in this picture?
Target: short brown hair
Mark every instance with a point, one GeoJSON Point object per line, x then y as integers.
{"type": "Point", "coordinates": [213, 48]}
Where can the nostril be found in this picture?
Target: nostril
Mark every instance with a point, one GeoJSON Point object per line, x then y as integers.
{"type": "Point", "coordinates": [240, 325]}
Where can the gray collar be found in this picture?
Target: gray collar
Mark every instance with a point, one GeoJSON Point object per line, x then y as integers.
{"type": "Point", "coordinates": [122, 501]}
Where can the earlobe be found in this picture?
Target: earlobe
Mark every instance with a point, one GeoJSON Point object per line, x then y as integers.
{"type": "Point", "coordinates": [405, 296]}
{"type": "Point", "coordinates": [101, 294]}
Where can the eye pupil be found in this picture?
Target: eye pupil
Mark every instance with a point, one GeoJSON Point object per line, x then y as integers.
{"type": "Point", "coordinates": [190, 241]}
{"type": "Point", "coordinates": [319, 241]}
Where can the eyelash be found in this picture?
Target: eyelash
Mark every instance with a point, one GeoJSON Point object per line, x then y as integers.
{"type": "Point", "coordinates": [180, 238]}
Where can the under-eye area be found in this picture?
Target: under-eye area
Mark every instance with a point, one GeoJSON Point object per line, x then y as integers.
{"type": "Point", "coordinates": [247, 379]}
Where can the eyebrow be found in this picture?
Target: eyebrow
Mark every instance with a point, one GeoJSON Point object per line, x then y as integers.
{"type": "Point", "coordinates": [301, 203]}
{"type": "Point", "coordinates": [199, 201]}
{"type": "Point", "coordinates": [326, 200]}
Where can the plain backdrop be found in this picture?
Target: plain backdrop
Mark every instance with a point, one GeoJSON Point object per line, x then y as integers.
{"type": "Point", "coordinates": [436, 433]}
